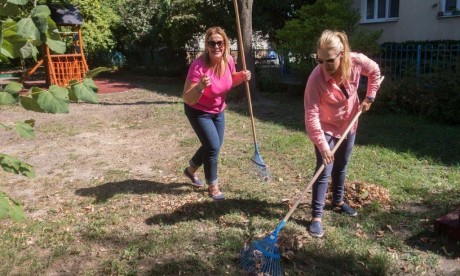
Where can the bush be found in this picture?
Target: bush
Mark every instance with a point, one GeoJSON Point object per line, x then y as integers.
{"type": "Point", "coordinates": [434, 97]}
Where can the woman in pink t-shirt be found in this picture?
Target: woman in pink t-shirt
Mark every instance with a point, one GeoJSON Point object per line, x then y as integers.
{"type": "Point", "coordinates": [209, 78]}
{"type": "Point", "coordinates": [331, 103]}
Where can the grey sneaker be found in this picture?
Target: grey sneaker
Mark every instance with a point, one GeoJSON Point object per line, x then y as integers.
{"type": "Point", "coordinates": [347, 210]}
{"type": "Point", "coordinates": [315, 229]}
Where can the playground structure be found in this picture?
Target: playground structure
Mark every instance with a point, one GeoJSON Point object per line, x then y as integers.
{"type": "Point", "coordinates": [62, 68]}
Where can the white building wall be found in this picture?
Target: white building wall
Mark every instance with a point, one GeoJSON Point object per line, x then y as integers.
{"type": "Point", "coordinates": [418, 20]}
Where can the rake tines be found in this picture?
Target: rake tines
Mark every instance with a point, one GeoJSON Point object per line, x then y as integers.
{"type": "Point", "coordinates": [262, 257]}
{"type": "Point", "coordinates": [261, 167]}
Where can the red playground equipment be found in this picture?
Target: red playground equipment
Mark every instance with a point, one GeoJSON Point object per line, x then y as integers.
{"type": "Point", "coordinates": [62, 68]}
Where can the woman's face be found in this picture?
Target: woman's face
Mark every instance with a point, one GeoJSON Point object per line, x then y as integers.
{"type": "Point", "coordinates": [215, 46]}
{"type": "Point", "coordinates": [329, 60]}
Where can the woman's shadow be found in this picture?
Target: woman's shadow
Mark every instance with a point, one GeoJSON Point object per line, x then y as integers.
{"type": "Point", "coordinates": [132, 186]}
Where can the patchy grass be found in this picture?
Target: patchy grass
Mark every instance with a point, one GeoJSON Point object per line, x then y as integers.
{"type": "Point", "coordinates": [110, 199]}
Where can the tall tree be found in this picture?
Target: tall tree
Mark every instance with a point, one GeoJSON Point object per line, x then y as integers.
{"type": "Point", "coordinates": [245, 15]}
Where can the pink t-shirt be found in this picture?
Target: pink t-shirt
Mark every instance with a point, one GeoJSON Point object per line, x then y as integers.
{"type": "Point", "coordinates": [327, 110]}
{"type": "Point", "coordinates": [213, 98]}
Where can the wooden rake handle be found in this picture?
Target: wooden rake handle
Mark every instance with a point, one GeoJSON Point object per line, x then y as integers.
{"type": "Point", "coordinates": [320, 170]}
{"type": "Point", "coordinates": [243, 60]}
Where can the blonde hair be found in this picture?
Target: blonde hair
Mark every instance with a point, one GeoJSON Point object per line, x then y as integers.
{"type": "Point", "coordinates": [220, 68]}
{"type": "Point", "coordinates": [335, 40]}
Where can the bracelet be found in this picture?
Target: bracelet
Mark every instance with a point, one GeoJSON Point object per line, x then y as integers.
{"type": "Point", "coordinates": [370, 99]}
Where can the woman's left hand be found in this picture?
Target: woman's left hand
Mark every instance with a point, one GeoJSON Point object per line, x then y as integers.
{"type": "Point", "coordinates": [246, 75]}
{"type": "Point", "coordinates": [365, 105]}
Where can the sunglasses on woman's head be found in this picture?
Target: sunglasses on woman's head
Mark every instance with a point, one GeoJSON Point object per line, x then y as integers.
{"type": "Point", "coordinates": [213, 44]}
{"type": "Point", "coordinates": [328, 61]}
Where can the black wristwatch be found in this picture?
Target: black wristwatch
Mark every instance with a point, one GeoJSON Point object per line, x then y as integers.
{"type": "Point", "coordinates": [370, 99]}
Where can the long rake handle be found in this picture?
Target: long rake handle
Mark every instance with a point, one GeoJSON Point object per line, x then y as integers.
{"type": "Point", "coordinates": [320, 170]}
{"type": "Point", "coordinates": [243, 60]}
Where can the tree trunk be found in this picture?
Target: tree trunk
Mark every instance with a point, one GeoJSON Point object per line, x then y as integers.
{"type": "Point", "coordinates": [245, 12]}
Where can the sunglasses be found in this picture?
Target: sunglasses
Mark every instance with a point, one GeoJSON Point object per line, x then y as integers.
{"type": "Point", "coordinates": [213, 44]}
{"type": "Point", "coordinates": [328, 61]}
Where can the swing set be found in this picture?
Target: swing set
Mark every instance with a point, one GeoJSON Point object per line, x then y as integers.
{"type": "Point", "coordinates": [62, 68]}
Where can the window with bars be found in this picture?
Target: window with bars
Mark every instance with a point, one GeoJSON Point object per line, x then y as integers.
{"type": "Point", "coordinates": [381, 10]}
{"type": "Point", "coordinates": [448, 6]}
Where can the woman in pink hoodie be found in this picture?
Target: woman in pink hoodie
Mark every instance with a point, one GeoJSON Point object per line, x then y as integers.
{"type": "Point", "coordinates": [331, 102]}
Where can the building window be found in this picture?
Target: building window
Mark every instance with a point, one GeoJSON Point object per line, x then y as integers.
{"type": "Point", "coordinates": [450, 5]}
{"type": "Point", "coordinates": [381, 10]}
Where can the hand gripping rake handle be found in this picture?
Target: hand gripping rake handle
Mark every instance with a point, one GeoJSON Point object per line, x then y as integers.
{"type": "Point", "coordinates": [320, 170]}
{"type": "Point", "coordinates": [243, 60]}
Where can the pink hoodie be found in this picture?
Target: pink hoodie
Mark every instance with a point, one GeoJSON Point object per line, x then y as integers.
{"type": "Point", "coordinates": [327, 110]}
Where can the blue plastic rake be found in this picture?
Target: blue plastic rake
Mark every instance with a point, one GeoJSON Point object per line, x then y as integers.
{"type": "Point", "coordinates": [261, 167]}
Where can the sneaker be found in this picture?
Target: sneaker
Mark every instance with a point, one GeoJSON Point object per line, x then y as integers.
{"type": "Point", "coordinates": [347, 210]}
{"type": "Point", "coordinates": [315, 229]}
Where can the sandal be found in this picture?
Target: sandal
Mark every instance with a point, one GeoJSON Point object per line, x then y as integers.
{"type": "Point", "coordinates": [195, 181]}
{"type": "Point", "coordinates": [216, 195]}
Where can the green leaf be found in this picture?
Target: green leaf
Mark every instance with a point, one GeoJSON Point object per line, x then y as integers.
{"type": "Point", "coordinates": [53, 38]}
{"type": "Point", "coordinates": [55, 100]}
{"type": "Point", "coordinates": [25, 130]}
{"type": "Point", "coordinates": [56, 45]}
{"type": "Point", "coordinates": [92, 73]}
{"type": "Point", "coordinates": [27, 29]}
{"type": "Point", "coordinates": [10, 208]}
{"type": "Point", "coordinates": [40, 16]}
{"type": "Point", "coordinates": [41, 11]}
{"type": "Point", "coordinates": [12, 42]}
{"type": "Point", "coordinates": [13, 87]}
{"type": "Point", "coordinates": [86, 91]}
{"type": "Point", "coordinates": [13, 165]}
{"type": "Point", "coordinates": [31, 104]}
{"type": "Point", "coordinates": [7, 98]}
{"type": "Point", "coordinates": [8, 9]}
{"type": "Point", "coordinates": [18, 2]}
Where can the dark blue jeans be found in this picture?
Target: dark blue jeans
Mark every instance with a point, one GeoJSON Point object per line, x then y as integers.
{"type": "Point", "coordinates": [336, 170]}
{"type": "Point", "coordinates": [210, 131]}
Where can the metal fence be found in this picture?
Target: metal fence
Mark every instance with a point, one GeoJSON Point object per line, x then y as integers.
{"type": "Point", "coordinates": [395, 60]}
{"type": "Point", "coordinates": [399, 60]}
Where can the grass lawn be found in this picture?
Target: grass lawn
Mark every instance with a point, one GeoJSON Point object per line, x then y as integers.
{"type": "Point", "coordinates": [123, 224]}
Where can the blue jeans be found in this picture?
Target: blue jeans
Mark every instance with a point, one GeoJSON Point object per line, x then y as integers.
{"type": "Point", "coordinates": [336, 170]}
{"type": "Point", "coordinates": [210, 131]}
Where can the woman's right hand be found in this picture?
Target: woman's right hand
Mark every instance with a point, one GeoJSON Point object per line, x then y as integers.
{"type": "Point", "coordinates": [328, 157]}
{"type": "Point", "coordinates": [205, 81]}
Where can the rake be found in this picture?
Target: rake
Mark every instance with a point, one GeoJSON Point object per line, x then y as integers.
{"type": "Point", "coordinates": [262, 257]}
{"type": "Point", "coordinates": [261, 167]}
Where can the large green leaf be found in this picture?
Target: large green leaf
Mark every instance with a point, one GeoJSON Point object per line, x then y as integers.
{"type": "Point", "coordinates": [11, 42]}
{"type": "Point", "coordinates": [40, 16]}
{"type": "Point", "coordinates": [27, 29]}
{"type": "Point", "coordinates": [10, 208]}
{"type": "Point", "coordinates": [53, 38]}
{"type": "Point", "coordinates": [55, 100]}
{"type": "Point", "coordinates": [56, 45]}
{"type": "Point", "coordinates": [8, 9]}
{"type": "Point", "coordinates": [30, 104]}
{"type": "Point", "coordinates": [7, 98]}
{"type": "Point", "coordinates": [13, 87]}
{"type": "Point", "coordinates": [25, 129]}
{"type": "Point", "coordinates": [13, 165]}
{"type": "Point", "coordinates": [18, 2]}
{"type": "Point", "coordinates": [86, 91]}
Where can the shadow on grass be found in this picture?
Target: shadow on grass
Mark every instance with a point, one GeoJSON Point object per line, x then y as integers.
{"type": "Point", "coordinates": [106, 191]}
{"type": "Point", "coordinates": [215, 209]}
{"type": "Point", "coordinates": [142, 103]}
{"type": "Point", "coordinates": [320, 262]}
